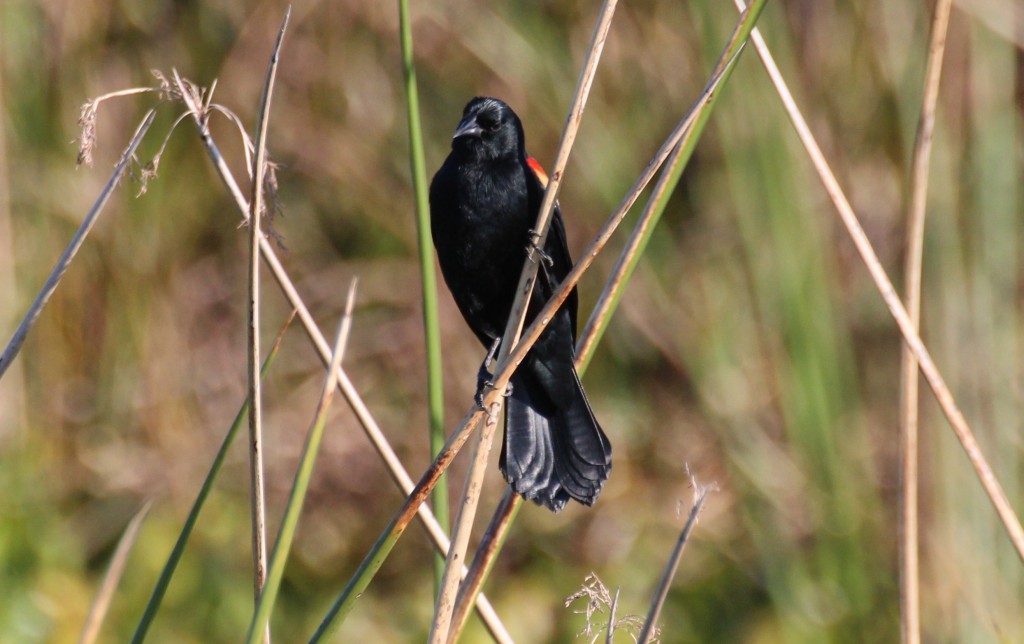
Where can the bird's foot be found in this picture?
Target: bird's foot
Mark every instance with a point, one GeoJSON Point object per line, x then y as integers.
{"type": "Point", "coordinates": [484, 408]}
{"type": "Point", "coordinates": [533, 250]}
{"type": "Point", "coordinates": [483, 378]}
{"type": "Point", "coordinates": [483, 386]}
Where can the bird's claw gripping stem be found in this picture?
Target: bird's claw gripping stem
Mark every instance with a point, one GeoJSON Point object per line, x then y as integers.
{"type": "Point", "coordinates": [483, 378]}
{"type": "Point", "coordinates": [533, 250]}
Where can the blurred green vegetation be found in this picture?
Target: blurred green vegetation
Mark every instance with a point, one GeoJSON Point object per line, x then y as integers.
{"type": "Point", "coordinates": [751, 344]}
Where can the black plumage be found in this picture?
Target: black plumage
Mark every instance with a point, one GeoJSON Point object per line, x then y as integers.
{"type": "Point", "coordinates": [483, 202]}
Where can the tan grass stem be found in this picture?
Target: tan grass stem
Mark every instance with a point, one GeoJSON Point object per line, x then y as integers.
{"type": "Point", "coordinates": [658, 601]}
{"type": "Point", "coordinates": [256, 470]}
{"type": "Point", "coordinates": [947, 403]}
{"type": "Point", "coordinates": [910, 592]}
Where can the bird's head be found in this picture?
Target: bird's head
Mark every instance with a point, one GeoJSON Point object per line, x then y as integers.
{"type": "Point", "coordinates": [489, 131]}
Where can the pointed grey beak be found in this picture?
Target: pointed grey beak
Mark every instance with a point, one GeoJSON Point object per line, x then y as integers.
{"type": "Point", "coordinates": [468, 127]}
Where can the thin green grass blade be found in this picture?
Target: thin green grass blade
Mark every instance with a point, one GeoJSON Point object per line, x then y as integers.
{"type": "Point", "coordinates": [381, 549]}
{"type": "Point", "coordinates": [186, 531]}
{"type": "Point", "coordinates": [304, 473]}
{"type": "Point", "coordinates": [431, 325]}
{"type": "Point", "coordinates": [672, 174]}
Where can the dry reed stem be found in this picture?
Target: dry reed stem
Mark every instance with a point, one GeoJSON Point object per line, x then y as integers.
{"type": "Point", "coordinates": [256, 470]}
{"type": "Point", "coordinates": [260, 624]}
{"type": "Point", "coordinates": [398, 472]}
{"type": "Point", "coordinates": [658, 601]}
{"type": "Point", "coordinates": [464, 526]}
{"type": "Point", "coordinates": [910, 592]}
{"type": "Point", "coordinates": [610, 631]}
{"type": "Point", "coordinates": [456, 553]}
{"type": "Point", "coordinates": [616, 282]}
{"type": "Point", "coordinates": [589, 335]}
{"type": "Point", "coordinates": [540, 230]}
{"type": "Point", "coordinates": [101, 603]}
{"type": "Point", "coordinates": [398, 524]}
{"type": "Point", "coordinates": [18, 339]}
{"type": "Point", "coordinates": [344, 331]}
{"type": "Point", "coordinates": [959, 424]}
{"type": "Point", "coordinates": [483, 559]}
{"type": "Point", "coordinates": [517, 316]}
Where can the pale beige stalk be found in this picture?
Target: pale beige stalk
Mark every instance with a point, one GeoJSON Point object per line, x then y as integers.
{"type": "Point", "coordinates": [936, 382]}
{"type": "Point", "coordinates": [910, 592]}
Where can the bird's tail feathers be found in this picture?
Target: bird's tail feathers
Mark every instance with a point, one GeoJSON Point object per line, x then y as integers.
{"type": "Point", "coordinates": [553, 452]}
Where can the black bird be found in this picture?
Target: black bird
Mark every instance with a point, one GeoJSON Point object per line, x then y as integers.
{"type": "Point", "coordinates": [483, 202]}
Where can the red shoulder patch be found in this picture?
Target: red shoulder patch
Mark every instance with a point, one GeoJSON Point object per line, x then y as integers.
{"type": "Point", "coordinates": [538, 170]}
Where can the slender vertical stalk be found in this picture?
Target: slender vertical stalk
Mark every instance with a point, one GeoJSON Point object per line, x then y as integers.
{"type": "Point", "coordinates": [428, 276]}
{"type": "Point", "coordinates": [612, 610]}
{"type": "Point", "coordinates": [303, 475]}
{"type": "Point", "coordinates": [257, 500]}
{"type": "Point", "coordinates": [658, 601]}
{"type": "Point", "coordinates": [910, 605]}
{"type": "Point", "coordinates": [256, 207]}
{"type": "Point", "coordinates": [486, 554]}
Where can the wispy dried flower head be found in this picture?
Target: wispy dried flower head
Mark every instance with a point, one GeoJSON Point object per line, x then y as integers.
{"type": "Point", "coordinates": [87, 138]}
{"type": "Point", "coordinates": [599, 602]}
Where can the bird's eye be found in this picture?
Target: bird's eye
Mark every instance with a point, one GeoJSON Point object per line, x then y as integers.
{"type": "Point", "coordinates": [488, 122]}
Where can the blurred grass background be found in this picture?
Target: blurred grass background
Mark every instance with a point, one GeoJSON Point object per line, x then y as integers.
{"type": "Point", "coordinates": [751, 344]}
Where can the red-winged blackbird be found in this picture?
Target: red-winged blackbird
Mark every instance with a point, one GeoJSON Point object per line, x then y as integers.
{"type": "Point", "coordinates": [483, 202]}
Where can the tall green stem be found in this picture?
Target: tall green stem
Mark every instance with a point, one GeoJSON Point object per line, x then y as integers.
{"type": "Point", "coordinates": [431, 327]}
